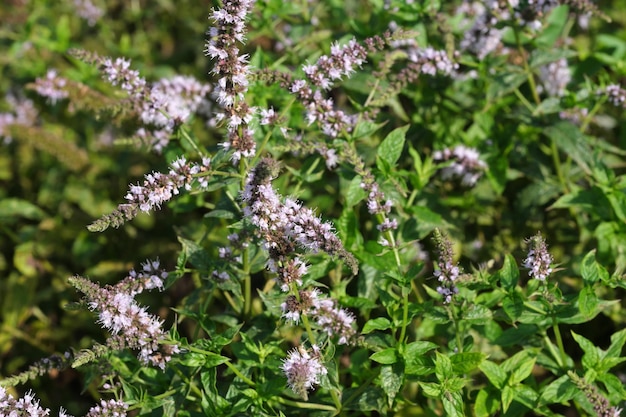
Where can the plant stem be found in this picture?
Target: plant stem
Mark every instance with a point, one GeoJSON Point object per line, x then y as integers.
{"type": "Point", "coordinates": [305, 405]}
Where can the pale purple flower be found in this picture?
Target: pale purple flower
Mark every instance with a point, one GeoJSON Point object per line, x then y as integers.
{"type": "Point", "coordinates": [232, 70]}
{"type": "Point", "coordinates": [554, 77]}
{"type": "Point", "coordinates": [303, 370]}
{"type": "Point", "coordinates": [616, 95]}
{"type": "Point", "coordinates": [336, 322]}
{"type": "Point", "coordinates": [538, 260]}
{"type": "Point", "coordinates": [156, 189]}
{"type": "Point", "coordinates": [88, 11]}
{"type": "Point", "coordinates": [130, 324]}
{"type": "Point", "coordinates": [464, 164]}
{"type": "Point", "coordinates": [110, 408]}
{"type": "Point", "coordinates": [448, 271]}
{"type": "Point", "coordinates": [27, 405]}
{"type": "Point", "coordinates": [52, 86]}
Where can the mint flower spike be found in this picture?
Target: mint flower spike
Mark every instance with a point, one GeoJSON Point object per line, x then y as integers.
{"type": "Point", "coordinates": [448, 271]}
{"type": "Point", "coordinates": [232, 70]}
{"type": "Point", "coordinates": [157, 188]}
{"type": "Point", "coordinates": [130, 324]}
{"type": "Point", "coordinates": [303, 370]}
{"type": "Point", "coordinates": [538, 260]}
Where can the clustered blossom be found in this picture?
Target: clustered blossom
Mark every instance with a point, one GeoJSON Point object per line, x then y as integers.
{"type": "Point", "coordinates": [285, 226]}
{"type": "Point", "coordinates": [464, 163]}
{"type": "Point", "coordinates": [601, 405]}
{"type": "Point", "coordinates": [538, 260]}
{"type": "Point", "coordinates": [554, 77]}
{"type": "Point", "coordinates": [132, 326]}
{"type": "Point", "coordinates": [110, 408]}
{"type": "Point", "coordinates": [85, 9]}
{"type": "Point", "coordinates": [156, 189]}
{"type": "Point", "coordinates": [333, 320]}
{"type": "Point", "coordinates": [23, 113]}
{"type": "Point", "coordinates": [52, 86]}
{"type": "Point", "coordinates": [28, 405]}
{"type": "Point", "coordinates": [161, 106]}
{"type": "Point", "coordinates": [303, 370]}
{"type": "Point", "coordinates": [232, 70]}
{"type": "Point", "coordinates": [428, 61]}
{"type": "Point", "coordinates": [616, 95]}
{"type": "Point", "coordinates": [342, 61]}
{"type": "Point", "coordinates": [484, 36]}
{"type": "Point", "coordinates": [448, 271]}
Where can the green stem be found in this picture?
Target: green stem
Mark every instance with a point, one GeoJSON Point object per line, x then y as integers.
{"type": "Point", "coordinates": [559, 341]}
{"type": "Point", "coordinates": [192, 142]}
{"type": "Point", "coordinates": [245, 256]}
{"type": "Point", "coordinates": [305, 405]}
{"type": "Point", "coordinates": [554, 353]}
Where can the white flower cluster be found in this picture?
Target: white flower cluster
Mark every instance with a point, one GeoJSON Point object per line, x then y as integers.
{"type": "Point", "coordinates": [85, 9]}
{"type": "Point", "coordinates": [464, 163]}
{"type": "Point", "coordinates": [538, 260]}
{"type": "Point", "coordinates": [554, 77]}
{"type": "Point", "coordinates": [333, 320]}
{"type": "Point", "coordinates": [159, 188]}
{"type": "Point", "coordinates": [131, 325]}
{"type": "Point", "coordinates": [28, 405]}
{"type": "Point", "coordinates": [616, 95]}
{"type": "Point", "coordinates": [232, 70]}
{"type": "Point", "coordinates": [52, 86]}
{"type": "Point", "coordinates": [23, 113]}
{"type": "Point", "coordinates": [303, 370]}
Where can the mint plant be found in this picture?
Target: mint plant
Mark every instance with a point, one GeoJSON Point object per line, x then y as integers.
{"type": "Point", "coordinates": [409, 208]}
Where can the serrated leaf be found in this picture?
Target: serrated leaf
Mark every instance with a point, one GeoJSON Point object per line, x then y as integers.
{"type": "Point", "coordinates": [494, 373]}
{"type": "Point", "coordinates": [522, 371]}
{"type": "Point", "coordinates": [513, 306]}
{"type": "Point", "coordinates": [391, 380]}
{"type": "Point", "coordinates": [355, 192]}
{"type": "Point", "coordinates": [591, 270]}
{"type": "Point", "coordinates": [380, 323]}
{"type": "Point", "coordinates": [431, 389]}
{"type": "Point", "coordinates": [15, 207]}
{"type": "Point", "coordinates": [617, 344]}
{"type": "Point", "coordinates": [486, 403]}
{"type": "Point", "coordinates": [508, 275]}
{"type": "Point", "coordinates": [559, 391]}
{"type": "Point", "coordinates": [385, 356]}
{"type": "Point", "coordinates": [588, 302]}
{"type": "Point", "coordinates": [453, 404]}
{"type": "Point", "coordinates": [507, 396]}
{"type": "Point", "coordinates": [591, 358]}
{"type": "Point", "coordinates": [443, 367]}
{"type": "Point", "coordinates": [573, 143]}
{"type": "Point", "coordinates": [391, 147]}
{"type": "Point", "coordinates": [465, 362]}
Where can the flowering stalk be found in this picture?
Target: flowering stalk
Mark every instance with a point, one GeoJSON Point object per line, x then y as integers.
{"type": "Point", "coordinates": [232, 71]}
{"type": "Point", "coordinates": [132, 326]}
{"type": "Point", "coordinates": [156, 189]}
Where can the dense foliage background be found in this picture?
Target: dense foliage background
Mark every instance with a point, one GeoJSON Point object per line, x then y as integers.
{"type": "Point", "coordinates": [543, 171]}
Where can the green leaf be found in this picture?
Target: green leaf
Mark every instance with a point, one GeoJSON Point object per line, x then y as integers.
{"type": "Point", "coordinates": [385, 356]}
{"type": "Point", "coordinates": [380, 323]}
{"type": "Point", "coordinates": [416, 363]}
{"type": "Point", "coordinates": [443, 367]}
{"type": "Point", "coordinates": [591, 358]}
{"type": "Point", "coordinates": [559, 391]}
{"type": "Point", "coordinates": [391, 148]}
{"type": "Point", "coordinates": [391, 380]}
{"type": "Point", "coordinates": [494, 373]}
{"type": "Point", "coordinates": [573, 143]}
{"type": "Point", "coordinates": [431, 389]}
{"type": "Point", "coordinates": [588, 302]}
{"type": "Point", "coordinates": [15, 207]}
{"type": "Point", "coordinates": [505, 83]}
{"type": "Point", "coordinates": [366, 129]}
{"type": "Point", "coordinates": [508, 275]}
{"type": "Point", "coordinates": [486, 403]}
{"type": "Point", "coordinates": [554, 29]}
{"type": "Point", "coordinates": [466, 362]}
{"type": "Point", "coordinates": [368, 400]}
{"type": "Point", "coordinates": [617, 344]}
{"type": "Point", "coordinates": [522, 371]}
{"type": "Point", "coordinates": [477, 314]}
{"type": "Point", "coordinates": [355, 192]}
{"type": "Point", "coordinates": [513, 306]}
{"type": "Point", "coordinates": [453, 404]}
{"type": "Point", "coordinates": [591, 270]}
{"type": "Point", "coordinates": [507, 396]}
